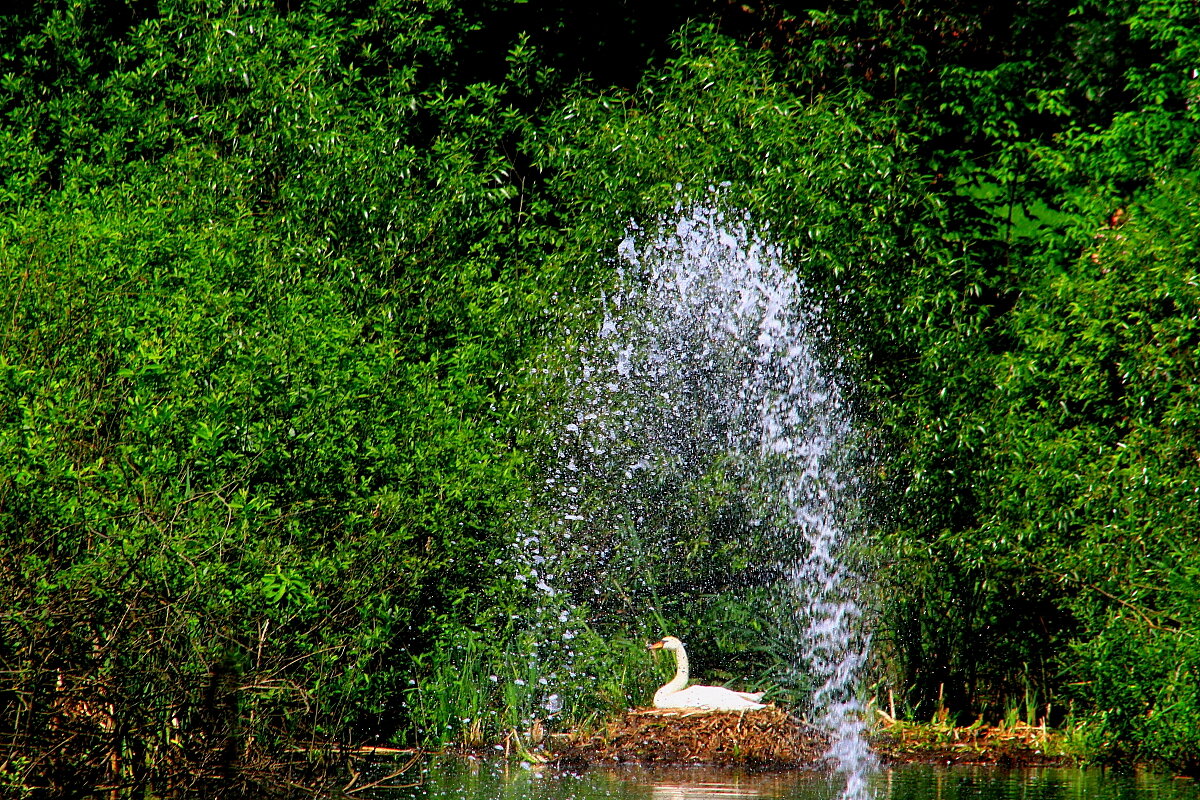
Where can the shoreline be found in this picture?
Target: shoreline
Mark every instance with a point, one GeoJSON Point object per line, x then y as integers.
{"type": "Point", "coordinates": [772, 740]}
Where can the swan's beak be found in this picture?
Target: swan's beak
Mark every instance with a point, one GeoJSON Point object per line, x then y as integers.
{"type": "Point", "coordinates": [656, 646]}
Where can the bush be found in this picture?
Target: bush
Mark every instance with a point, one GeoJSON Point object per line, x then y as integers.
{"type": "Point", "coordinates": [274, 283]}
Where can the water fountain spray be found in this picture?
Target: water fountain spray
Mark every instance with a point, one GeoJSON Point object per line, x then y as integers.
{"type": "Point", "coordinates": [709, 397]}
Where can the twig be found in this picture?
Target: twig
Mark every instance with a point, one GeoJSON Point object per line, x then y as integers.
{"type": "Point", "coordinates": [1145, 616]}
{"type": "Point", "coordinates": [379, 783]}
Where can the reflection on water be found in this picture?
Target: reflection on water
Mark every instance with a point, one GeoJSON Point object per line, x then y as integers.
{"type": "Point", "coordinates": [698, 784]}
{"type": "Point", "coordinates": [988, 783]}
{"type": "Point", "coordinates": [458, 779]}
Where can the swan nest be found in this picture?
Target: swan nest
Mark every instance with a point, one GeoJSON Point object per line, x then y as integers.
{"type": "Point", "coordinates": [767, 738]}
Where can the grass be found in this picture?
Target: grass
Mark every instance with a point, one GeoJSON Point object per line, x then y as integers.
{"type": "Point", "coordinates": [472, 696]}
{"type": "Point", "coordinates": [1021, 736]}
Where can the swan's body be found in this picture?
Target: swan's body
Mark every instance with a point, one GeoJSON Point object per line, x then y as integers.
{"type": "Point", "coordinates": [677, 694]}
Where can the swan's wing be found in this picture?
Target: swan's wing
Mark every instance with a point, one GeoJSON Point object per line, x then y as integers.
{"type": "Point", "coordinates": [717, 698]}
{"type": "Point", "coordinates": [753, 697]}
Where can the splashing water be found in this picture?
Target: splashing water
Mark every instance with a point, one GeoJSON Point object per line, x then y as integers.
{"type": "Point", "coordinates": [706, 417]}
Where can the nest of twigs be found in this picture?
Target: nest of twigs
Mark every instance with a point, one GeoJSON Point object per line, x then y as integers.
{"type": "Point", "coordinates": [765, 738]}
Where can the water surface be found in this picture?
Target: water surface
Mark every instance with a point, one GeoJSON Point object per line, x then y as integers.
{"type": "Point", "coordinates": [459, 779]}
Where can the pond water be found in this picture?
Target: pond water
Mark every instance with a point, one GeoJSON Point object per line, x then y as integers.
{"type": "Point", "coordinates": [460, 779]}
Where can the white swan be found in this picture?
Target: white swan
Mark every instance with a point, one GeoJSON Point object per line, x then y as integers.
{"type": "Point", "coordinates": [716, 698]}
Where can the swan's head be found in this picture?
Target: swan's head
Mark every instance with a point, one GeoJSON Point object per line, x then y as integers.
{"type": "Point", "coordinates": [667, 643]}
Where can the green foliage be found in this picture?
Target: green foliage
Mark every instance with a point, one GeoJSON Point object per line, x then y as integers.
{"type": "Point", "coordinates": [272, 282]}
{"type": "Point", "coordinates": [1071, 459]}
{"type": "Point", "coordinates": [245, 456]}
{"type": "Point", "coordinates": [481, 689]}
{"type": "Point", "coordinates": [1105, 393]}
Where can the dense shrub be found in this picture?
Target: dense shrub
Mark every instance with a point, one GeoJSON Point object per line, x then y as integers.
{"type": "Point", "coordinates": [272, 278]}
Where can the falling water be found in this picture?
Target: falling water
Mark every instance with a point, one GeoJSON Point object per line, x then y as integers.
{"type": "Point", "coordinates": [704, 417]}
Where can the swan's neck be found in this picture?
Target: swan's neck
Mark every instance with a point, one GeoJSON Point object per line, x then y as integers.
{"type": "Point", "coordinates": [679, 682]}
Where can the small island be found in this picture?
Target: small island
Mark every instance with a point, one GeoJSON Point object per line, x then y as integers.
{"type": "Point", "coordinates": [772, 739]}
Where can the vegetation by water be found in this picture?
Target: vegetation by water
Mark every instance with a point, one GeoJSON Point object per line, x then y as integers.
{"type": "Point", "coordinates": [273, 276]}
